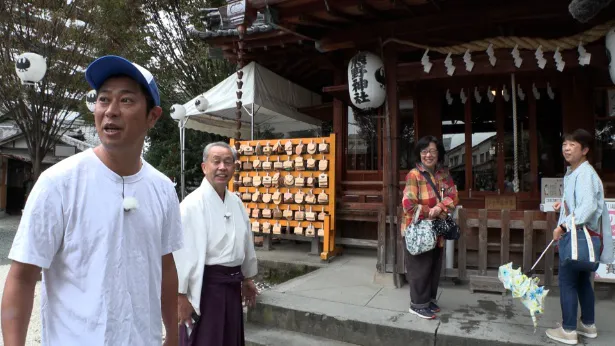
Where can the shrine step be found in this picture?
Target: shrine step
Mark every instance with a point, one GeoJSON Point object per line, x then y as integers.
{"type": "Point", "coordinates": [258, 335]}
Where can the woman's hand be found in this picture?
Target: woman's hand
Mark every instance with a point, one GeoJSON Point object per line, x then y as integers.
{"type": "Point", "coordinates": [557, 233]}
{"type": "Point", "coordinates": [557, 206]}
{"type": "Point", "coordinates": [435, 212]}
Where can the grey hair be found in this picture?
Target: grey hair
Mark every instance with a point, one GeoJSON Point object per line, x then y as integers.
{"type": "Point", "coordinates": [218, 144]}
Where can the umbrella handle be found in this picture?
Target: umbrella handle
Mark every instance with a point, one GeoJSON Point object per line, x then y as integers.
{"type": "Point", "coordinates": [542, 254]}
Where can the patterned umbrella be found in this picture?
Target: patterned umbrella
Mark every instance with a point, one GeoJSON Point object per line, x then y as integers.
{"type": "Point", "coordinates": [525, 288]}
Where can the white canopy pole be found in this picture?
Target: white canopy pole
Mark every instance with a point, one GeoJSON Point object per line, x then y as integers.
{"type": "Point", "coordinates": [182, 145]}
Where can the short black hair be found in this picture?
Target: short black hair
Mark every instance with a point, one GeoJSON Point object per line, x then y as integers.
{"type": "Point", "coordinates": [580, 136]}
{"type": "Point", "coordinates": [150, 104]}
{"type": "Point", "coordinates": [424, 143]}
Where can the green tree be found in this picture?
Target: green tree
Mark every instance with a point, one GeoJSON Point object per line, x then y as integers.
{"type": "Point", "coordinates": [183, 69]}
{"type": "Point", "coordinates": [69, 34]}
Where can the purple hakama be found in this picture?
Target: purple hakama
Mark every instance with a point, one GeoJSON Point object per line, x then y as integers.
{"type": "Point", "coordinates": [221, 322]}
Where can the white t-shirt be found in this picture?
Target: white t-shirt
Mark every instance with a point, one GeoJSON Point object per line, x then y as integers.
{"type": "Point", "coordinates": [102, 267]}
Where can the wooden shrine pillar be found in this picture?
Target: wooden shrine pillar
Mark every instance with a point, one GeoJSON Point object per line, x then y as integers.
{"type": "Point", "coordinates": [390, 162]}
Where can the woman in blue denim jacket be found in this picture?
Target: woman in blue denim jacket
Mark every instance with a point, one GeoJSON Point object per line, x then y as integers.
{"type": "Point", "coordinates": [583, 197]}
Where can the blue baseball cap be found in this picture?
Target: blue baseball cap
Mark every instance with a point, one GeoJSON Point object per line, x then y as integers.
{"type": "Point", "coordinates": [102, 68]}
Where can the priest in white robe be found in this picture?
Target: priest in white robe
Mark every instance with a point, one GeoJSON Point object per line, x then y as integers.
{"type": "Point", "coordinates": [216, 266]}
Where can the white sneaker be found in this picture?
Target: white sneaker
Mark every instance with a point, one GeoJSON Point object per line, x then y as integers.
{"type": "Point", "coordinates": [559, 334]}
{"type": "Point", "coordinates": [589, 331]}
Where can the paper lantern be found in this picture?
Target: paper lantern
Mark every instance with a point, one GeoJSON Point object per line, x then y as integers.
{"type": "Point", "coordinates": [90, 100]}
{"type": "Point", "coordinates": [366, 81]}
{"type": "Point", "coordinates": [201, 103]}
{"type": "Point", "coordinates": [178, 112]}
{"type": "Point", "coordinates": [610, 52]}
{"type": "Point", "coordinates": [30, 68]}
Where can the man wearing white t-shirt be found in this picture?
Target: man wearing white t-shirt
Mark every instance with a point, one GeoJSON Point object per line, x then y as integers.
{"type": "Point", "coordinates": [102, 226]}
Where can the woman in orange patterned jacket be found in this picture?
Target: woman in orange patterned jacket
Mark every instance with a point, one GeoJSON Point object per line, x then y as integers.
{"type": "Point", "coordinates": [423, 270]}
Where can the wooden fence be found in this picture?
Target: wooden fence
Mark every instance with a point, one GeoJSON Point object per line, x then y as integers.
{"type": "Point", "coordinates": [523, 235]}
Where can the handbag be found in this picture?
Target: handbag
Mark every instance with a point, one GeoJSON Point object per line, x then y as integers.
{"type": "Point", "coordinates": [447, 227]}
{"type": "Point", "coordinates": [580, 248]}
{"type": "Point", "coordinates": [419, 235]}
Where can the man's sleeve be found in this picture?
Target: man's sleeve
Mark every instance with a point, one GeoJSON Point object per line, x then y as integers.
{"type": "Point", "coordinates": [41, 229]}
{"type": "Point", "coordinates": [249, 267]}
{"type": "Point", "coordinates": [172, 235]}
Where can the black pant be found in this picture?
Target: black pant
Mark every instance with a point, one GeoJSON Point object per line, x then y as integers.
{"type": "Point", "coordinates": [423, 275]}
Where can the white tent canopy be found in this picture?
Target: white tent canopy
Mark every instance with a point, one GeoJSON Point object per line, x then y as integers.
{"type": "Point", "coordinates": [272, 100]}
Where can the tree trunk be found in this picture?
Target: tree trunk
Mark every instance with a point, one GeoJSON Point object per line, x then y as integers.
{"type": "Point", "coordinates": [37, 161]}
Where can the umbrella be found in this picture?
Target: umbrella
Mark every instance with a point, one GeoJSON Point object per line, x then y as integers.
{"type": "Point", "coordinates": [525, 288]}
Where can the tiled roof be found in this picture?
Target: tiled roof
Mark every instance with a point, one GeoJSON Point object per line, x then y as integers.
{"type": "Point", "coordinates": [216, 27]}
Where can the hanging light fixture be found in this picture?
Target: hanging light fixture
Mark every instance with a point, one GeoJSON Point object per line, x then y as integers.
{"type": "Point", "coordinates": [90, 100]}
{"type": "Point", "coordinates": [30, 68]}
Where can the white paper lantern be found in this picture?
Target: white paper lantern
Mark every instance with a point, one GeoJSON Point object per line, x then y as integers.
{"type": "Point", "coordinates": [366, 81]}
{"type": "Point", "coordinates": [90, 100]}
{"type": "Point", "coordinates": [201, 103]}
{"type": "Point", "coordinates": [30, 68]}
{"type": "Point", "coordinates": [610, 52]}
{"type": "Point", "coordinates": [178, 112]}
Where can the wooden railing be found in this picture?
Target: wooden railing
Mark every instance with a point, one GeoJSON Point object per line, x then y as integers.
{"type": "Point", "coordinates": [523, 235]}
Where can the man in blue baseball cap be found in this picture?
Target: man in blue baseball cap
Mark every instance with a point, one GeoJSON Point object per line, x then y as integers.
{"type": "Point", "coordinates": [102, 225]}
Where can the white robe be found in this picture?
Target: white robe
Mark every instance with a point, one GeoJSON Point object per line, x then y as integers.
{"type": "Point", "coordinates": [216, 232]}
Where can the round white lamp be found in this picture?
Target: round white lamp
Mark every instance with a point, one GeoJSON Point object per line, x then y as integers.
{"type": "Point", "coordinates": [90, 100]}
{"type": "Point", "coordinates": [30, 68]}
{"type": "Point", "coordinates": [178, 112]}
{"type": "Point", "coordinates": [201, 103]}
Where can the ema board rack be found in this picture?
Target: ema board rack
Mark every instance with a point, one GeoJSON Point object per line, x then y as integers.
{"type": "Point", "coordinates": [288, 188]}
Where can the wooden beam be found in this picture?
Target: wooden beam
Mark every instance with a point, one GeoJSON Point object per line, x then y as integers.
{"type": "Point", "coordinates": [414, 71]}
{"type": "Point", "coordinates": [456, 17]}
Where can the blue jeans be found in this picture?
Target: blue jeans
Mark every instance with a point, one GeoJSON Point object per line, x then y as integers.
{"type": "Point", "coordinates": [575, 287]}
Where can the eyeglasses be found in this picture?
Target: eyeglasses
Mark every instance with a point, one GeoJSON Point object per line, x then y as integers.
{"type": "Point", "coordinates": [431, 151]}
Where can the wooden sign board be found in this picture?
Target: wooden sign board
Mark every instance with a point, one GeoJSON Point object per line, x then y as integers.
{"type": "Point", "coordinates": [501, 202]}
